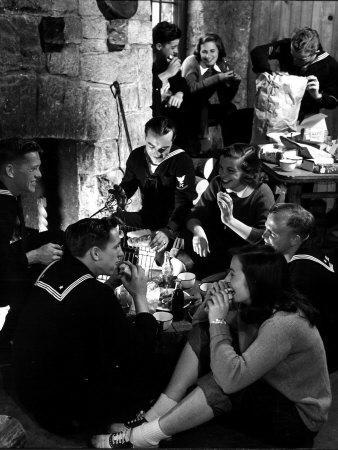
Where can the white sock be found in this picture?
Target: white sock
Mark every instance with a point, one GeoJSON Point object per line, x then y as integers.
{"type": "Point", "coordinates": [147, 434]}
{"type": "Point", "coordinates": [162, 406]}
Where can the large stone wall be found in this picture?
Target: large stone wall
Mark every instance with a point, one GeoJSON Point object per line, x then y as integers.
{"type": "Point", "coordinates": [64, 94]}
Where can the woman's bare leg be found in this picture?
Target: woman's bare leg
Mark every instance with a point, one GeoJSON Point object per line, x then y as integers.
{"type": "Point", "coordinates": [185, 374]}
{"type": "Point", "coordinates": [192, 411]}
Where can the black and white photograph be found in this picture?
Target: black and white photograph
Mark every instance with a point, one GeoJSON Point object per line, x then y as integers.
{"type": "Point", "coordinates": [169, 224]}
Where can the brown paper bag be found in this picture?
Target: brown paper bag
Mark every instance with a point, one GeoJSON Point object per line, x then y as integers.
{"type": "Point", "coordinates": [277, 103]}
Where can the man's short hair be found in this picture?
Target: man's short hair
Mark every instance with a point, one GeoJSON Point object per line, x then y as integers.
{"type": "Point", "coordinates": [160, 125]}
{"type": "Point", "coordinates": [14, 149]}
{"type": "Point", "coordinates": [87, 233]}
{"type": "Point", "coordinates": [305, 41]}
{"type": "Point", "coordinates": [298, 218]}
{"type": "Point", "coordinates": [165, 32]}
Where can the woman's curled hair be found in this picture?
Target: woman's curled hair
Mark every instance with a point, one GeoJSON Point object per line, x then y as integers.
{"type": "Point", "coordinates": [250, 162]}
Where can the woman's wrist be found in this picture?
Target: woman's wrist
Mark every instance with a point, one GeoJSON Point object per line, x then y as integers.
{"type": "Point", "coordinates": [199, 231]}
{"type": "Point", "coordinates": [218, 320]}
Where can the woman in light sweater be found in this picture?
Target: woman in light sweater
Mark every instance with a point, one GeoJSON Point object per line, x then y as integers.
{"type": "Point", "coordinates": [262, 364]}
{"type": "Point", "coordinates": [212, 85]}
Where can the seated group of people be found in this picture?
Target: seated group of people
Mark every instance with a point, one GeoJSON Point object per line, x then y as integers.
{"type": "Point", "coordinates": [80, 363]}
{"type": "Point", "coordinates": [200, 91]}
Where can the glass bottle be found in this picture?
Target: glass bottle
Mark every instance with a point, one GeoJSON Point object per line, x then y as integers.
{"type": "Point", "coordinates": [177, 302]}
{"type": "Point", "coordinates": [167, 269]}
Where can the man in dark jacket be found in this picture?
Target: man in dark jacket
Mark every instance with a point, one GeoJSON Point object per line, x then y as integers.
{"type": "Point", "coordinates": [21, 249]}
{"type": "Point", "coordinates": [169, 87]}
{"type": "Point", "coordinates": [303, 55]}
{"type": "Point", "coordinates": [165, 176]}
{"type": "Point", "coordinates": [288, 229]}
{"type": "Point", "coordinates": [77, 358]}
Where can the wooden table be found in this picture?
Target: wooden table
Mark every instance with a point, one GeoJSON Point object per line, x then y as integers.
{"type": "Point", "coordinates": [291, 183]}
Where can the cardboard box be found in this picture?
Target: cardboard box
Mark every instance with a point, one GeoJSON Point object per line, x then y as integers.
{"type": "Point", "coordinates": [314, 127]}
{"type": "Point", "coordinates": [311, 164]}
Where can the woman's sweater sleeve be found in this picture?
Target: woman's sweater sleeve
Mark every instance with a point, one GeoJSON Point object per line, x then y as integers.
{"type": "Point", "coordinates": [233, 372]}
{"type": "Point", "coordinates": [191, 72]}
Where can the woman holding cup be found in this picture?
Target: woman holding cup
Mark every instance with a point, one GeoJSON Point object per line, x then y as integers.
{"type": "Point", "coordinates": [212, 84]}
{"type": "Point", "coordinates": [254, 364]}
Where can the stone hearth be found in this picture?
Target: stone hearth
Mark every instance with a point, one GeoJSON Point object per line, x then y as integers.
{"type": "Point", "coordinates": [58, 59]}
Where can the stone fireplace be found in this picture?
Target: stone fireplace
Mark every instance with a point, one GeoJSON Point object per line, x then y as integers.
{"type": "Point", "coordinates": [58, 59]}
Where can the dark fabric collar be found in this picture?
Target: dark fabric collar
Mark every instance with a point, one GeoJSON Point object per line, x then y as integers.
{"type": "Point", "coordinates": [61, 277]}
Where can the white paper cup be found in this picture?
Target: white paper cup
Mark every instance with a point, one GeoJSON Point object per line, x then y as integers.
{"type": "Point", "coordinates": [297, 159]}
{"type": "Point", "coordinates": [187, 279]}
{"type": "Point", "coordinates": [287, 164]}
{"type": "Point", "coordinates": [204, 287]}
{"type": "Point", "coordinates": [164, 319]}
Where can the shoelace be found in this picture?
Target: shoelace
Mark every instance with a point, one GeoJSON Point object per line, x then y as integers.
{"type": "Point", "coordinates": [118, 438]}
{"type": "Point", "coordinates": [139, 416]}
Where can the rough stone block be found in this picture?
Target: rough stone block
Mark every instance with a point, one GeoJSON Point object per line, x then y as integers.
{"type": "Point", "coordinates": [6, 4]}
{"type": "Point", "coordinates": [117, 32]}
{"type": "Point", "coordinates": [18, 105]}
{"type": "Point", "coordinates": [129, 95]}
{"type": "Point", "coordinates": [89, 199]}
{"type": "Point", "coordinates": [85, 157]}
{"type": "Point", "coordinates": [93, 46]}
{"type": "Point", "coordinates": [73, 30]}
{"type": "Point", "coordinates": [68, 181]}
{"type": "Point", "coordinates": [89, 8]}
{"type": "Point", "coordinates": [139, 32]}
{"type": "Point", "coordinates": [99, 68]}
{"type": "Point", "coordinates": [28, 105]}
{"type": "Point", "coordinates": [128, 71]}
{"type": "Point", "coordinates": [94, 27]}
{"type": "Point", "coordinates": [66, 62]}
{"type": "Point", "coordinates": [107, 68]}
{"type": "Point", "coordinates": [10, 57]}
{"type": "Point", "coordinates": [50, 106]}
{"type": "Point", "coordinates": [145, 91]}
{"type": "Point", "coordinates": [101, 115]}
{"type": "Point", "coordinates": [106, 156]}
{"type": "Point", "coordinates": [145, 81]}
{"type": "Point", "coordinates": [99, 157]}
{"type": "Point", "coordinates": [30, 6]}
{"type": "Point", "coordinates": [73, 111]}
{"type": "Point", "coordinates": [19, 44]}
{"type": "Point", "coordinates": [143, 10]}
{"type": "Point", "coordinates": [62, 7]}
{"type": "Point", "coordinates": [136, 122]}
{"type": "Point", "coordinates": [144, 62]}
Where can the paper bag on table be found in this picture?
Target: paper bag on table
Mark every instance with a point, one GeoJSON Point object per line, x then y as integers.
{"type": "Point", "coordinates": [277, 103]}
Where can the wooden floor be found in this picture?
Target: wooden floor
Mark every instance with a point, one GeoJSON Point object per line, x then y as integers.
{"type": "Point", "coordinates": [211, 435]}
